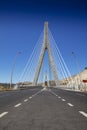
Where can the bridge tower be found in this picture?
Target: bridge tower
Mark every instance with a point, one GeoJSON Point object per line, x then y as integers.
{"type": "Point", "coordinates": [46, 46]}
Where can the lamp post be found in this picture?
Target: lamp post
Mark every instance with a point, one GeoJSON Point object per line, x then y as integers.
{"type": "Point", "coordinates": [13, 65]}
{"type": "Point", "coordinates": [46, 84]}
{"type": "Point", "coordinates": [78, 67]}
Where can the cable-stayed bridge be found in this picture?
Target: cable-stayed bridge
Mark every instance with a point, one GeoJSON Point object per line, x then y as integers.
{"type": "Point", "coordinates": [46, 61]}
{"type": "Point", "coordinates": [48, 108]}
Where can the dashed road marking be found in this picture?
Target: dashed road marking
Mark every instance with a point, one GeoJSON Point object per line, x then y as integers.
{"type": "Point", "coordinates": [83, 113]}
{"type": "Point", "coordinates": [63, 100]}
{"type": "Point", "coordinates": [71, 105]}
{"type": "Point", "coordinates": [54, 93]}
{"type": "Point", "coordinates": [3, 114]}
{"type": "Point", "coordinates": [17, 105]}
{"type": "Point", "coordinates": [44, 89]}
{"type": "Point", "coordinates": [30, 97]}
{"type": "Point", "coordinates": [37, 93]}
{"type": "Point", "coordinates": [34, 95]}
{"type": "Point", "coordinates": [59, 97]}
{"type": "Point", "coordinates": [25, 100]}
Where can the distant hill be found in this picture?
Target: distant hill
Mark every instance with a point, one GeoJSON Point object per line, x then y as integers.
{"type": "Point", "coordinates": [82, 75]}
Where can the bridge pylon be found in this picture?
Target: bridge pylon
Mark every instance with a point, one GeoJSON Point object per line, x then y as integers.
{"type": "Point", "coordinates": [46, 46]}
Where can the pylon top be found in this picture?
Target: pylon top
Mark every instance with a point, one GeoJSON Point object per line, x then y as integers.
{"type": "Point", "coordinates": [46, 34]}
{"type": "Point", "coordinates": [46, 23]}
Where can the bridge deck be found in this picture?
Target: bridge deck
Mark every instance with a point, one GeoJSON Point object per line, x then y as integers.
{"type": "Point", "coordinates": [37, 109]}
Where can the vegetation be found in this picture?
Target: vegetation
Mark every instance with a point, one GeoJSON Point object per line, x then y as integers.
{"type": "Point", "coordinates": [5, 87]}
{"type": "Point", "coordinates": [85, 68]}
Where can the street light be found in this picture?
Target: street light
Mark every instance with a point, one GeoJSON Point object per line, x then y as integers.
{"type": "Point", "coordinates": [13, 65]}
{"type": "Point", "coordinates": [78, 66]}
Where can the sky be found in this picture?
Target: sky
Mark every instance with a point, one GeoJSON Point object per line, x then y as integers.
{"type": "Point", "coordinates": [22, 21]}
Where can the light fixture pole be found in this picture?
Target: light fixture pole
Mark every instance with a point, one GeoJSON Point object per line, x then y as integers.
{"type": "Point", "coordinates": [78, 67]}
{"type": "Point", "coordinates": [13, 65]}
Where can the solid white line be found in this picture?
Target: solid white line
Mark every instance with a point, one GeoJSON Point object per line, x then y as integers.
{"type": "Point", "coordinates": [30, 97]}
{"type": "Point", "coordinates": [71, 105]}
{"type": "Point", "coordinates": [63, 100]}
{"type": "Point", "coordinates": [17, 105]}
{"type": "Point", "coordinates": [3, 114]}
{"type": "Point", "coordinates": [25, 100]}
{"type": "Point", "coordinates": [83, 113]}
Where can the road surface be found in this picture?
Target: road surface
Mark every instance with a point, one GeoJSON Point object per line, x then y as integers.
{"type": "Point", "coordinates": [37, 109]}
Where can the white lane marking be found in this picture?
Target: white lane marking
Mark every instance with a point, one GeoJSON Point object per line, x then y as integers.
{"type": "Point", "coordinates": [63, 100]}
{"type": "Point", "coordinates": [54, 93]}
{"type": "Point", "coordinates": [3, 114]}
{"type": "Point", "coordinates": [44, 89]}
{"type": "Point", "coordinates": [83, 113]}
{"type": "Point", "coordinates": [30, 97]}
{"type": "Point", "coordinates": [25, 100]}
{"type": "Point", "coordinates": [37, 93]}
{"type": "Point", "coordinates": [59, 97]}
{"type": "Point", "coordinates": [17, 105]}
{"type": "Point", "coordinates": [34, 95]}
{"type": "Point", "coordinates": [71, 105]}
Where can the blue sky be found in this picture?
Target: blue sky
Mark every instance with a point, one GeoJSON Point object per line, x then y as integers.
{"type": "Point", "coordinates": [21, 23]}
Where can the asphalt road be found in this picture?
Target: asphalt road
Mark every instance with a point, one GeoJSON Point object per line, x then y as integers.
{"type": "Point", "coordinates": [37, 109]}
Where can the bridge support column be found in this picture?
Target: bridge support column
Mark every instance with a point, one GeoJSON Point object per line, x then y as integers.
{"type": "Point", "coordinates": [46, 46]}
